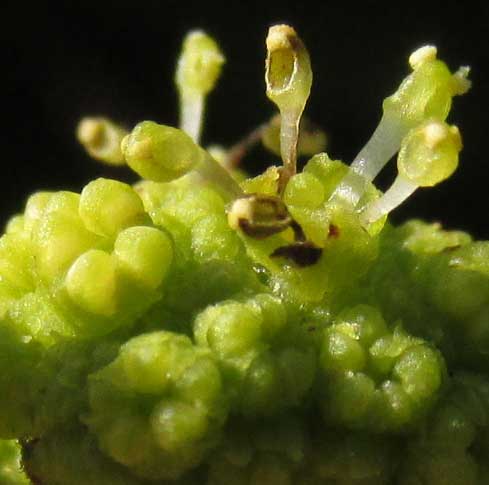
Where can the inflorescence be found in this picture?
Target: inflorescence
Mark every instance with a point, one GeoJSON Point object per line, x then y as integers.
{"type": "Point", "coordinates": [202, 326]}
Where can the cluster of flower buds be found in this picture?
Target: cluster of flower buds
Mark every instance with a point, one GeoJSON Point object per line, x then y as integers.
{"type": "Point", "coordinates": [413, 124]}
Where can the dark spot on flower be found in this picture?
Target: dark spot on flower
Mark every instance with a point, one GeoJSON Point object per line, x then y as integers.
{"type": "Point", "coordinates": [302, 254]}
{"type": "Point", "coordinates": [334, 231]}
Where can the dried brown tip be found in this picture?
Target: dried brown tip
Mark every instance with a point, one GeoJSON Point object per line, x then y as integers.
{"type": "Point", "coordinates": [301, 254]}
{"type": "Point", "coordinates": [259, 216]}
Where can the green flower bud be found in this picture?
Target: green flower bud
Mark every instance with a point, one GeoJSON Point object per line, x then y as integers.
{"type": "Point", "coordinates": [176, 424]}
{"type": "Point", "coordinates": [34, 209]}
{"type": "Point", "coordinates": [158, 407]}
{"type": "Point", "coordinates": [376, 378]}
{"type": "Point", "coordinates": [91, 282]}
{"type": "Point", "coordinates": [160, 153]}
{"type": "Point", "coordinates": [107, 206]}
{"type": "Point", "coordinates": [60, 236]}
{"type": "Point", "coordinates": [145, 253]}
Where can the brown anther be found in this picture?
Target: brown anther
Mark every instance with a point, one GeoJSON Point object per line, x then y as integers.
{"type": "Point", "coordinates": [301, 254]}
{"type": "Point", "coordinates": [259, 216]}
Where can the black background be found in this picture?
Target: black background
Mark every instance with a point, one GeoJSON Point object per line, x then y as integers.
{"type": "Point", "coordinates": [118, 58]}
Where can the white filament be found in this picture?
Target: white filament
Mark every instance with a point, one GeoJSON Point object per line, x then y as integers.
{"type": "Point", "coordinates": [289, 134]}
{"type": "Point", "coordinates": [192, 114]}
{"type": "Point", "coordinates": [212, 171]}
{"type": "Point", "coordinates": [382, 146]}
{"type": "Point", "coordinates": [397, 193]}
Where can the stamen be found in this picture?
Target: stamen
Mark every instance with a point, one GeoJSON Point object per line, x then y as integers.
{"type": "Point", "coordinates": [428, 155]}
{"type": "Point", "coordinates": [381, 147]}
{"type": "Point", "coordinates": [424, 94]}
{"type": "Point", "coordinates": [102, 138]}
{"type": "Point", "coordinates": [461, 81]}
{"type": "Point", "coordinates": [288, 77]}
{"type": "Point", "coordinates": [398, 192]}
{"type": "Point", "coordinates": [198, 69]}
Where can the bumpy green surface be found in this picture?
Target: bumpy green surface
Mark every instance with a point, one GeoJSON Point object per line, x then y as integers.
{"type": "Point", "coordinates": [10, 468]}
{"type": "Point", "coordinates": [143, 340]}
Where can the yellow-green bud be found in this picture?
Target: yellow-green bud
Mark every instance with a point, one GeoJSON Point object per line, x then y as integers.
{"type": "Point", "coordinates": [145, 253]}
{"type": "Point", "coordinates": [60, 235]}
{"type": "Point", "coordinates": [91, 282]}
{"type": "Point", "coordinates": [160, 153]}
{"type": "Point", "coordinates": [107, 206]}
{"type": "Point", "coordinates": [176, 424]}
{"type": "Point", "coordinates": [34, 209]}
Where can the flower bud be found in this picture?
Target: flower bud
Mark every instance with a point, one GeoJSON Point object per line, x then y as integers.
{"type": "Point", "coordinates": [160, 153]}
